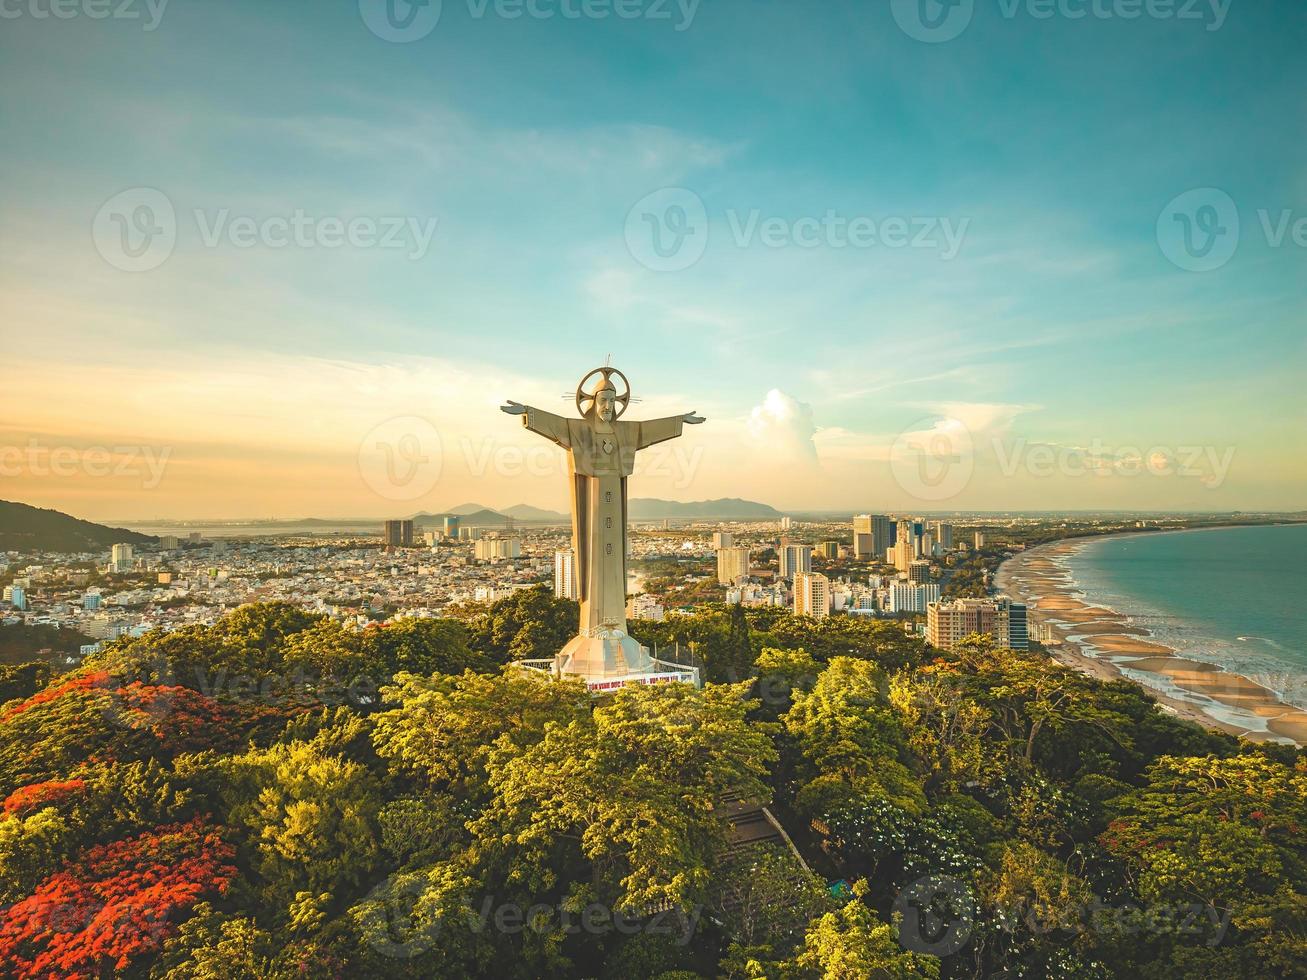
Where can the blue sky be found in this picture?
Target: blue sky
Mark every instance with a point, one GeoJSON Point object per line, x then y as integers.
{"type": "Point", "coordinates": [1049, 146]}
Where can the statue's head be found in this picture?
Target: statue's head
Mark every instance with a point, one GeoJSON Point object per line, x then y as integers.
{"type": "Point", "coordinates": [605, 400]}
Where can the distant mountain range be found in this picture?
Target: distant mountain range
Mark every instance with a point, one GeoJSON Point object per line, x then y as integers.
{"type": "Point", "coordinates": [641, 509]}
{"type": "Point", "coordinates": [730, 508]}
{"type": "Point", "coordinates": [27, 528]}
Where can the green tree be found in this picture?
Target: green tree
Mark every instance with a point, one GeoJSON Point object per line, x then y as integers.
{"type": "Point", "coordinates": [1228, 834]}
{"type": "Point", "coordinates": [310, 819]}
{"type": "Point", "coordinates": [851, 943]}
{"type": "Point", "coordinates": [631, 790]}
{"type": "Point", "coordinates": [850, 735]}
{"type": "Point", "coordinates": [446, 729]}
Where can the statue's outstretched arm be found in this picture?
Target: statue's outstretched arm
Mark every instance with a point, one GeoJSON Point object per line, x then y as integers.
{"type": "Point", "coordinates": [552, 427]}
{"type": "Point", "coordinates": [660, 430]}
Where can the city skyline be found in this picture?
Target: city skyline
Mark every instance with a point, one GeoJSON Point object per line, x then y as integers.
{"type": "Point", "coordinates": [1038, 343]}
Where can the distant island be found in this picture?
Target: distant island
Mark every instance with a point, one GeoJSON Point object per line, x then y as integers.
{"type": "Point", "coordinates": [27, 528]}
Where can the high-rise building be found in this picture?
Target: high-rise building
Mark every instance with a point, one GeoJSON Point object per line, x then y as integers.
{"type": "Point", "coordinates": [795, 558]}
{"type": "Point", "coordinates": [980, 540]}
{"type": "Point", "coordinates": [498, 549]}
{"type": "Point", "coordinates": [169, 542]}
{"type": "Point", "coordinates": [1018, 631]}
{"type": "Point", "coordinates": [811, 595]}
{"type": "Point", "coordinates": [722, 539]}
{"type": "Point", "coordinates": [91, 601]}
{"type": "Point", "coordinates": [398, 534]}
{"type": "Point", "coordinates": [565, 574]}
{"type": "Point", "coordinates": [120, 557]}
{"type": "Point", "coordinates": [466, 533]}
{"type": "Point", "coordinates": [1000, 618]}
{"type": "Point", "coordinates": [17, 597]}
{"type": "Point", "coordinates": [919, 571]}
{"type": "Point", "coordinates": [829, 549]}
{"type": "Point", "coordinates": [910, 597]}
{"type": "Point", "coordinates": [872, 536]}
{"type": "Point", "coordinates": [943, 535]}
{"type": "Point", "coordinates": [732, 564]}
{"type": "Point", "coordinates": [905, 546]}
{"type": "Point", "coordinates": [644, 607]}
{"type": "Point", "coordinates": [449, 524]}
{"type": "Point", "coordinates": [864, 536]}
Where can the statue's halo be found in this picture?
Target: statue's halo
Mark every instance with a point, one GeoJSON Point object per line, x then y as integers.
{"type": "Point", "coordinates": [582, 396]}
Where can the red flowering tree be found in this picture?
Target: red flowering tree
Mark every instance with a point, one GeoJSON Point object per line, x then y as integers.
{"type": "Point", "coordinates": [116, 903]}
{"type": "Point", "coordinates": [97, 718]}
{"type": "Point", "coordinates": [49, 793]}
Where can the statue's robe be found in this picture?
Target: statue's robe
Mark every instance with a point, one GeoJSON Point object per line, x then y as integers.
{"type": "Point", "coordinates": [601, 456]}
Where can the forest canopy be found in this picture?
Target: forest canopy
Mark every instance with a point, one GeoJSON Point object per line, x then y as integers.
{"type": "Point", "coordinates": [278, 795]}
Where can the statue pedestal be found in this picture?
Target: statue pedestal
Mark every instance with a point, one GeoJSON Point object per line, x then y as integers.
{"type": "Point", "coordinates": [608, 659]}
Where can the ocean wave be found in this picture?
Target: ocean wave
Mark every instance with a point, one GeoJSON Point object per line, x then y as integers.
{"type": "Point", "coordinates": [1261, 639]}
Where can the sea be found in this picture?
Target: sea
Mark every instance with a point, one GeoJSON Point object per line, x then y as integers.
{"type": "Point", "coordinates": [1235, 597]}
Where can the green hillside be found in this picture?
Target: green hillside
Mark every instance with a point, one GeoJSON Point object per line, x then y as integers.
{"type": "Point", "coordinates": [27, 528]}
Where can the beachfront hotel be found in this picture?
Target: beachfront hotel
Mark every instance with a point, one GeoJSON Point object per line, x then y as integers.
{"type": "Point", "coordinates": [949, 622]}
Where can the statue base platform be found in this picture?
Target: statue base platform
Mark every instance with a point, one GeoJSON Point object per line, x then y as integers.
{"type": "Point", "coordinates": [607, 659]}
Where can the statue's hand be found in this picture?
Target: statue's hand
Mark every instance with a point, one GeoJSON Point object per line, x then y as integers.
{"type": "Point", "coordinates": [513, 408]}
{"type": "Point", "coordinates": [693, 419]}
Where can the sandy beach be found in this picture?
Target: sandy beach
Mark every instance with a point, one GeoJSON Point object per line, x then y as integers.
{"type": "Point", "coordinates": [1106, 644]}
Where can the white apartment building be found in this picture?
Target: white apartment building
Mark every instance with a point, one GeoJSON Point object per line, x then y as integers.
{"type": "Point", "coordinates": [565, 574]}
{"type": "Point", "coordinates": [812, 595]}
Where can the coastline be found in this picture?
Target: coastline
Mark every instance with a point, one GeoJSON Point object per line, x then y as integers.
{"type": "Point", "coordinates": [1106, 644]}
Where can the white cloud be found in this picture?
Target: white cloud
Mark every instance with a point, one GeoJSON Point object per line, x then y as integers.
{"type": "Point", "coordinates": [784, 427]}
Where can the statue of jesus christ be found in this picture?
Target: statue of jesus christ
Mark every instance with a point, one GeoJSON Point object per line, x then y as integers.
{"type": "Point", "coordinates": [601, 452]}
